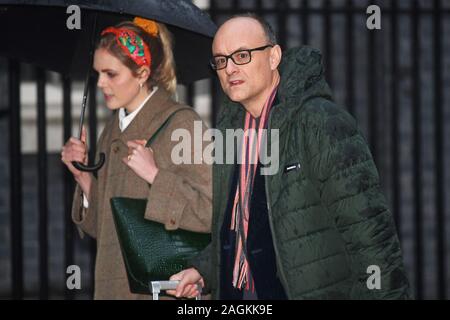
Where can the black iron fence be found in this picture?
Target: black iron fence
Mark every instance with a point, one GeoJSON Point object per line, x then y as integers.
{"type": "Point", "coordinates": [394, 80]}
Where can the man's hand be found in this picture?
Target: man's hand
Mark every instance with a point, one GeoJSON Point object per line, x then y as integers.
{"type": "Point", "coordinates": [187, 288]}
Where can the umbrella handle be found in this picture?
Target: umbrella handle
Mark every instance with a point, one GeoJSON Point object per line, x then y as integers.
{"type": "Point", "coordinates": [80, 166]}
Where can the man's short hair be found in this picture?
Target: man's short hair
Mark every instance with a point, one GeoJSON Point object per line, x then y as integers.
{"type": "Point", "coordinates": [267, 28]}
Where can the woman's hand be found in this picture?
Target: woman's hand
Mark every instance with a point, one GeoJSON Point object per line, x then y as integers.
{"type": "Point", "coordinates": [75, 150]}
{"type": "Point", "coordinates": [141, 160]}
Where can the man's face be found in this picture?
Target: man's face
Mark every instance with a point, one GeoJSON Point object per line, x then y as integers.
{"type": "Point", "coordinates": [244, 83]}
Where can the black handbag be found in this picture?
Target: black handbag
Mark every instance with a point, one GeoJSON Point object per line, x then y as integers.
{"type": "Point", "coordinates": [150, 252]}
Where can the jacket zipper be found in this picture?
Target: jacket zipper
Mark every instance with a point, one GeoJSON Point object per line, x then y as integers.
{"type": "Point", "coordinates": [269, 211]}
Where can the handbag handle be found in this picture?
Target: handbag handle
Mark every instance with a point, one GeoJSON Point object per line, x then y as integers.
{"type": "Point", "coordinates": [163, 126]}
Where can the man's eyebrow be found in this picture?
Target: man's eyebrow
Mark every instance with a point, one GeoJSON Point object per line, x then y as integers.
{"type": "Point", "coordinates": [236, 50]}
{"type": "Point", "coordinates": [241, 48]}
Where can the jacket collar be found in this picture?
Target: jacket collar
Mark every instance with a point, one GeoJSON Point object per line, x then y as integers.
{"type": "Point", "coordinates": [148, 120]}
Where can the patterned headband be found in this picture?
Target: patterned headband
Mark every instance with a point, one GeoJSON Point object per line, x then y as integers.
{"type": "Point", "coordinates": [131, 44]}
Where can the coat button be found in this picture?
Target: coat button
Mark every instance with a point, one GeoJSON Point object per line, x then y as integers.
{"type": "Point", "coordinates": [172, 221]}
{"type": "Point", "coordinates": [116, 149]}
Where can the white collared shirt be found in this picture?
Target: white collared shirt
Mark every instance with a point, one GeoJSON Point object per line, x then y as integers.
{"type": "Point", "coordinates": [125, 119]}
{"type": "Point", "coordinates": [124, 122]}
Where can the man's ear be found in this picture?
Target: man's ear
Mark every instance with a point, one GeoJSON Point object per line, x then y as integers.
{"type": "Point", "coordinates": [275, 57]}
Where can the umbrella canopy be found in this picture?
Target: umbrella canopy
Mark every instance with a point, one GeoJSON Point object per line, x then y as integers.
{"type": "Point", "coordinates": [35, 31]}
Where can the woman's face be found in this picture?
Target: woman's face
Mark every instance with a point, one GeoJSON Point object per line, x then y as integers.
{"type": "Point", "coordinates": [120, 88]}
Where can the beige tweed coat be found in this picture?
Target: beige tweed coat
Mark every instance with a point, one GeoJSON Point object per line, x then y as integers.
{"type": "Point", "coordinates": [180, 196]}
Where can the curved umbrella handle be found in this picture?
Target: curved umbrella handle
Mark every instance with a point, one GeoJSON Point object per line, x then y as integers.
{"type": "Point", "coordinates": [86, 168]}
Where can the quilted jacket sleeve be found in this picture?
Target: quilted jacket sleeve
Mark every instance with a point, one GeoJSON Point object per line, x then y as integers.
{"type": "Point", "coordinates": [349, 187]}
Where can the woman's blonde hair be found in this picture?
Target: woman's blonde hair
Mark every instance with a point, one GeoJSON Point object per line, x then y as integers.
{"type": "Point", "coordinates": [167, 74]}
{"type": "Point", "coordinates": [162, 68]}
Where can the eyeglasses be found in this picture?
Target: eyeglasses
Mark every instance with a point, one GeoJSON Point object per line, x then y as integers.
{"type": "Point", "coordinates": [239, 57]}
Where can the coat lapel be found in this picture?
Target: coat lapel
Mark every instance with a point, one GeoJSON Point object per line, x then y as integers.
{"type": "Point", "coordinates": [149, 119]}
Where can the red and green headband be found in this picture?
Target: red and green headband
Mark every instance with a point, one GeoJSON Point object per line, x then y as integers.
{"type": "Point", "coordinates": [131, 44]}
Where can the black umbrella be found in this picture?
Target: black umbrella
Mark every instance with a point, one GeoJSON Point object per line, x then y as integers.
{"type": "Point", "coordinates": [35, 31]}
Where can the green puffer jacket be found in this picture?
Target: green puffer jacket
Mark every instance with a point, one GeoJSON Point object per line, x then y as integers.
{"type": "Point", "coordinates": [329, 219]}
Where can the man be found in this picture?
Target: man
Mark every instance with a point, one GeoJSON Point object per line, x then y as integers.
{"type": "Point", "coordinates": [319, 228]}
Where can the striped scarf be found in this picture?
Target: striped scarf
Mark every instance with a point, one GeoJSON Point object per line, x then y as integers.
{"type": "Point", "coordinates": [241, 208]}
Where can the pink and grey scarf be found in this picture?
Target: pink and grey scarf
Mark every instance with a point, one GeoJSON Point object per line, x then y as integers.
{"type": "Point", "coordinates": [241, 208]}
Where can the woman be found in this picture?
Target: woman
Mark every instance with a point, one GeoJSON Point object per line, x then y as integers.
{"type": "Point", "coordinates": [136, 72]}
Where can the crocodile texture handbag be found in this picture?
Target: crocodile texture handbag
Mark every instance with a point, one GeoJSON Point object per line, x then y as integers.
{"type": "Point", "coordinates": [150, 252]}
